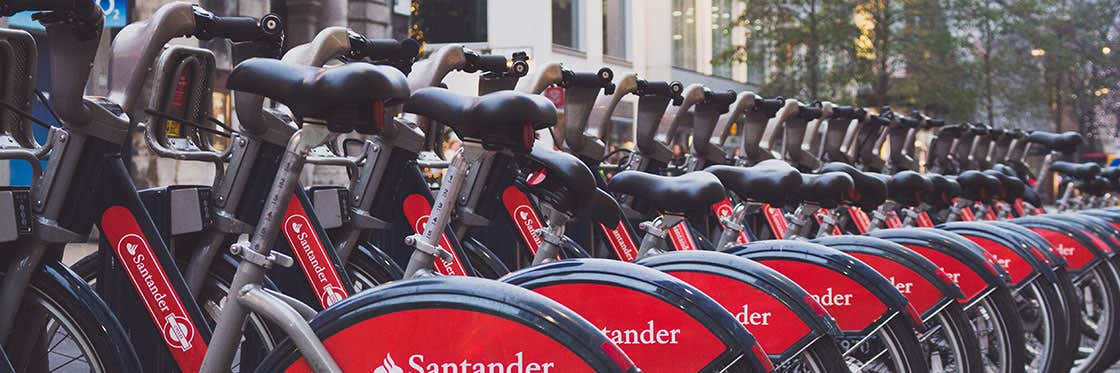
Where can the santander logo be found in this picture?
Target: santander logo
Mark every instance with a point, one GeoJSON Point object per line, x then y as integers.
{"type": "Point", "coordinates": [1064, 250]}
{"type": "Point", "coordinates": [750, 318]}
{"type": "Point", "coordinates": [903, 287]}
{"type": "Point", "coordinates": [650, 335]}
{"type": "Point", "coordinates": [953, 276]}
{"type": "Point", "coordinates": [148, 277]}
{"type": "Point", "coordinates": [527, 223]}
{"type": "Point", "coordinates": [312, 256]}
{"type": "Point", "coordinates": [829, 298]}
{"type": "Point", "coordinates": [418, 363]}
{"type": "Point", "coordinates": [388, 366]}
{"type": "Point", "coordinates": [621, 242]}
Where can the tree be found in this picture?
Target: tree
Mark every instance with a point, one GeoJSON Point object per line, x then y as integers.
{"type": "Point", "coordinates": [807, 44]}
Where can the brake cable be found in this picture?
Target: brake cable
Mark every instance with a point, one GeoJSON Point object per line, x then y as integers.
{"type": "Point", "coordinates": [197, 126]}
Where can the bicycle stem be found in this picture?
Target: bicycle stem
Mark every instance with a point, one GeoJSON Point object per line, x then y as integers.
{"type": "Point", "coordinates": [251, 272]}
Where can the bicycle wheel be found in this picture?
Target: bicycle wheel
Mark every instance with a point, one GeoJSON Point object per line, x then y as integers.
{"type": "Point", "coordinates": [366, 271]}
{"type": "Point", "coordinates": [823, 356]}
{"type": "Point", "coordinates": [949, 342]}
{"type": "Point", "coordinates": [58, 331]}
{"type": "Point", "coordinates": [1097, 290]}
{"type": "Point", "coordinates": [1044, 323]}
{"type": "Point", "coordinates": [999, 329]}
{"type": "Point", "coordinates": [260, 337]}
{"type": "Point", "coordinates": [893, 347]}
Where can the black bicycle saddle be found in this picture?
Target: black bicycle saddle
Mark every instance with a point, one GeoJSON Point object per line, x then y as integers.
{"type": "Point", "coordinates": [565, 181]}
{"type": "Point", "coordinates": [1065, 142]}
{"type": "Point", "coordinates": [1076, 170]}
{"type": "Point", "coordinates": [346, 96]}
{"type": "Point", "coordinates": [694, 192]}
{"type": "Point", "coordinates": [868, 191]}
{"type": "Point", "coordinates": [908, 188]}
{"type": "Point", "coordinates": [943, 190]}
{"type": "Point", "coordinates": [1011, 188]}
{"type": "Point", "coordinates": [500, 120]}
{"type": "Point", "coordinates": [771, 181]}
{"type": "Point", "coordinates": [976, 186]}
{"type": "Point", "coordinates": [826, 190]}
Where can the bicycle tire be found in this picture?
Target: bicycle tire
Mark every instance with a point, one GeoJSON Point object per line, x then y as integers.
{"type": "Point", "coordinates": [1009, 328]}
{"type": "Point", "coordinates": [1103, 354]}
{"type": "Point", "coordinates": [823, 356]}
{"type": "Point", "coordinates": [102, 334]}
{"type": "Point", "coordinates": [366, 272]}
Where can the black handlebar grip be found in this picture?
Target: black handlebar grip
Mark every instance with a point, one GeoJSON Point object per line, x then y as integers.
{"type": "Point", "coordinates": [721, 99]}
{"type": "Point", "coordinates": [770, 106]}
{"type": "Point", "coordinates": [671, 90]}
{"type": "Point", "coordinates": [909, 122]}
{"type": "Point", "coordinates": [10, 7]}
{"type": "Point", "coordinates": [952, 130]}
{"type": "Point", "coordinates": [978, 129]}
{"type": "Point", "coordinates": [808, 112]}
{"type": "Point", "coordinates": [879, 120]}
{"type": "Point", "coordinates": [935, 123]}
{"type": "Point", "coordinates": [601, 79]}
{"type": "Point", "coordinates": [386, 49]}
{"type": "Point", "coordinates": [848, 112]}
{"type": "Point", "coordinates": [490, 63]}
{"type": "Point", "coordinates": [236, 29]}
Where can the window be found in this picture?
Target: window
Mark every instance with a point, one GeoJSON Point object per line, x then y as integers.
{"type": "Point", "coordinates": [616, 28]}
{"type": "Point", "coordinates": [451, 21]}
{"type": "Point", "coordinates": [722, 44]}
{"type": "Point", "coordinates": [565, 23]}
{"type": "Point", "coordinates": [684, 34]}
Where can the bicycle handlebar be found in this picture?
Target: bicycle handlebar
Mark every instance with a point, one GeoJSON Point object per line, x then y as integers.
{"type": "Point", "coordinates": [236, 29]}
{"type": "Point", "coordinates": [517, 65]}
{"type": "Point", "coordinates": [935, 123]}
{"type": "Point", "coordinates": [912, 121]}
{"type": "Point", "coordinates": [671, 90]}
{"type": "Point", "coordinates": [770, 105]}
{"type": "Point", "coordinates": [10, 7]}
{"type": "Point", "coordinates": [882, 119]}
{"type": "Point", "coordinates": [362, 47]}
{"type": "Point", "coordinates": [601, 79]}
{"type": "Point", "coordinates": [809, 112]}
{"type": "Point", "coordinates": [84, 17]}
{"type": "Point", "coordinates": [721, 100]}
{"type": "Point", "coordinates": [848, 112]}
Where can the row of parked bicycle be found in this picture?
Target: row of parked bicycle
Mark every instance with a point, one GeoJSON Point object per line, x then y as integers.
{"type": "Point", "coordinates": [806, 249]}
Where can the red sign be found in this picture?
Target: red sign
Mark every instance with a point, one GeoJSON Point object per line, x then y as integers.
{"type": "Point", "coordinates": [312, 256]}
{"type": "Point", "coordinates": [681, 237]}
{"type": "Point", "coordinates": [777, 220]}
{"type": "Point", "coordinates": [556, 95]}
{"type": "Point", "coordinates": [772, 322]}
{"type": "Point", "coordinates": [620, 240]}
{"type": "Point", "coordinates": [1077, 255]}
{"type": "Point", "coordinates": [658, 336]}
{"type": "Point", "coordinates": [924, 221]}
{"type": "Point", "coordinates": [1015, 265]}
{"type": "Point", "coordinates": [523, 216]}
{"type": "Point", "coordinates": [723, 210]}
{"type": "Point", "coordinates": [968, 280]}
{"type": "Point", "coordinates": [417, 210]}
{"type": "Point", "coordinates": [446, 340]}
{"type": "Point", "coordinates": [152, 284]}
{"type": "Point", "coordinates": [921, 293]}
{"type": "Point", "coordinates": [853, 306]}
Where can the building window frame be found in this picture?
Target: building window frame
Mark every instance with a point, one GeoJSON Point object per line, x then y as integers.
{"type": "Point", "coordinates": [574, 24]}
{"type": "Point", "coordinates": [616, 22]}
